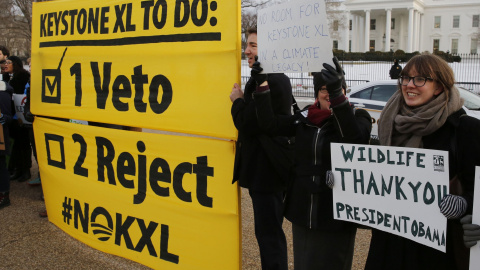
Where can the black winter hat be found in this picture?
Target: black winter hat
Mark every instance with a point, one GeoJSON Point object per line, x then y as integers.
{"type": "Point", "coordinates": [318, 82]}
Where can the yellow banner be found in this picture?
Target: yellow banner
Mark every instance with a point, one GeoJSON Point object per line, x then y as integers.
{"type": "Point", "coordinates": [157, 64]}
{"type": "Point", "coordinates": [162, 200]}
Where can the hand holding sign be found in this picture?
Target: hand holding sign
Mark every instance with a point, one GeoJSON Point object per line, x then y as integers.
{"type": "Point", "coordinates": [471, 232]}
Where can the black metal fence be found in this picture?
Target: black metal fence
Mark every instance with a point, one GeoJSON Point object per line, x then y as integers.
{"type": "Point", "coordinates": [467, 74]}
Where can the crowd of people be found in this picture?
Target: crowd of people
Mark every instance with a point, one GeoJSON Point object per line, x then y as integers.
{"type": "Point", "coordinates": [16, 158]}
{"type": "Point", "coordinates": [283, 159]}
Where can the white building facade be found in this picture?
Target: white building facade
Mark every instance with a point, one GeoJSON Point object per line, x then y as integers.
{"type": "Point", "coordinates": [445, 25]}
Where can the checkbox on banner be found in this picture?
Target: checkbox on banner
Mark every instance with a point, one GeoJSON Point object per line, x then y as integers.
{"type": "Point", "coordinates": [55, 150]}
{"type": "Point", "coordinates": [51, 85]}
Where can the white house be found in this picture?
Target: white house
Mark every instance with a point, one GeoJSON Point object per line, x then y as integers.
{"type": "Point", "coordinates": [409, 25]}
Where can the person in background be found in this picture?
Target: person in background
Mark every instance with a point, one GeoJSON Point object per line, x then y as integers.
{"type": "Point", "coordinates": [5, 118]}
{"type": "Point", "coordinates": [319, 241]}
{"type": "Point", "coordinates": [4, 53]}
{"type": "Point", "coordinates": [255, 167]}
{"type": "Point", "coordinates": [395, 70]}
{"type": "Point", "coordinates": [426, 112]}
{"type": "Point", "coordinates": [21, 157]}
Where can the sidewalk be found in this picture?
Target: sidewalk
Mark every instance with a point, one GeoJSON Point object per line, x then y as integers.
{"type": "Point", "coordinates": [28, 241]}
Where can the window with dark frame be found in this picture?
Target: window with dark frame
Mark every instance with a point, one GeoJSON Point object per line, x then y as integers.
{"type": "Point", "coordinates": [456, 21]}
{"type": "Point", "coordinates": [474, 46]}
{"type": "Point", "coordinates": [437, 21]}
{"type": "Point", "coordinates": [373, 24]}
{"type": "Point", "coordinates": [476, 21]}
{"type": "Point", "coordinates": [455, 46]}
{"type": "Point", "coordinates": [335, 25]}
{"type": "Point", "coordinates": [372, 45]}
{"type": "Point", "coordinates": [436, 44]}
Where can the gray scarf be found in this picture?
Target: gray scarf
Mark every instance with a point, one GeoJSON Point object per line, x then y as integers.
{"type": "Point", "coordinates": [401, 125]}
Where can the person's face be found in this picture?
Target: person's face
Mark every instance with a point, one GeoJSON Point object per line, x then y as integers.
{"type": "Point", "coordinates": [251, 50]}
{"type": "Point", "coordinates": [2, 56]}
{"type": "Point", "coordinates": [323, 98]}
{"type": "Point", "coordinates": [8, 66]}
{"type": "Point", "coordinates": [415, 96]}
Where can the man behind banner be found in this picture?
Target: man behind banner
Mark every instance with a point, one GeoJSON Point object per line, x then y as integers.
{"type": "Point", "coordinates": [263, 163]}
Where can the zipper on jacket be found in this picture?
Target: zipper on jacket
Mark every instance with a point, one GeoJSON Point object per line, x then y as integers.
{"type": "Point", "coordinates": [313, 176]}
{"type": "Point", "coordinates": [339, 126]}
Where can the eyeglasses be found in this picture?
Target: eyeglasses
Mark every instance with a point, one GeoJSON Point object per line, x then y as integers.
{"type": "Point", "coordinates": [8, 62]}
{"type": "Point", "coordinates": [418, 81]}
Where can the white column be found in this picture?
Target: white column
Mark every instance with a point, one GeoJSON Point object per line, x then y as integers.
{"type": "Point", "coordinates": [388, 30]}
{"type": "Point", "coordinates": [367, 31]}
{"type": "Point", "coordinates": [347, 30]}
{"type": "Point", "coordinates": [355, 34]}
{"type": "Point", "coordinates": [420, 39]}
{"type": "Point", "coordinates": [410, 30]}
{"type": "Point", "coordinates": [417, 32]}
{"type": "Point", "coordinates": [414, 37]}
{"type": "Point", "coordinates": [401, 35]}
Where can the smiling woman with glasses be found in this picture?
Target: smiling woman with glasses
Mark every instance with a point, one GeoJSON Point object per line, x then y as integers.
{"type": "Point", "coordinates": [426, 112]}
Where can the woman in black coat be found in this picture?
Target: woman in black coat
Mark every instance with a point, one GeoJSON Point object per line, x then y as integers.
{"type": "Point", "coordinates": [319, 241]}
{"type": "Point", "coordinates": [5, 119]}
{"type": "Point", "coordinates": [426, 112]}
{"type": "Point", "coordinates": [21, 157]}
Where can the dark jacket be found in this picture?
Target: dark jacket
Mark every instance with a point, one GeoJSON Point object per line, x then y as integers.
{"type": "Point", "coordinates": [309, 201]}
{"type": "Point", "coordinates": [18, 82]}
{"type": "Point", "coordinates": [388, 251]}
{"type": "Point", "coordinates": [6, 109]}
{"type": "Point", "coordinates": [395, 71]}
{"type": "Point", "coordinates": [253, 167]}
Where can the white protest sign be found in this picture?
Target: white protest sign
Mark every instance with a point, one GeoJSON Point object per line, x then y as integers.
{"type": "Point", "coordinates": [394, 189]}
{"type": "Point", "coordinates": [294, 37]}
{"type": "Point", "coordinates": [475, 250]}
{"type": "Point", "coordinates": [19, 101]}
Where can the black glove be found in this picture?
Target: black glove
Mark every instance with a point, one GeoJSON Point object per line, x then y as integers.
{"type": "Point", "coordinates": [255, 73]}
{"type": "Point", "coordinates": [29, 117]}
{"type": "Point", "coordinates": [2, 119]}
{"type": "Point", "coordinates": [471, 232]}
{"type": "Point", "coordinates": [333, 79]}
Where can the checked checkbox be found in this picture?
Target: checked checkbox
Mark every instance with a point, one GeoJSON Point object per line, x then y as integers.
{"type": "Point", "coordinates": [52, 83]}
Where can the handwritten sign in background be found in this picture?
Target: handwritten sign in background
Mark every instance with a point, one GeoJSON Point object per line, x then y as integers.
{"type": "Point", "coordinates": [294, 37]}
{"type": "Point", "coordinates": [394, 189]}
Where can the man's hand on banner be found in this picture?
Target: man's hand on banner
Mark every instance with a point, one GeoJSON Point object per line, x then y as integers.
{"type": "Point", "coordinates": [255, 73]}
{"type": "Point", "coordinates": [453, 206]}
{"type": "Point", "coordinates": [471, 232]}
{"type": "Point", "coordinates": [236, 92]}
{"type": "Point", "coordinates": [329, 179]}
